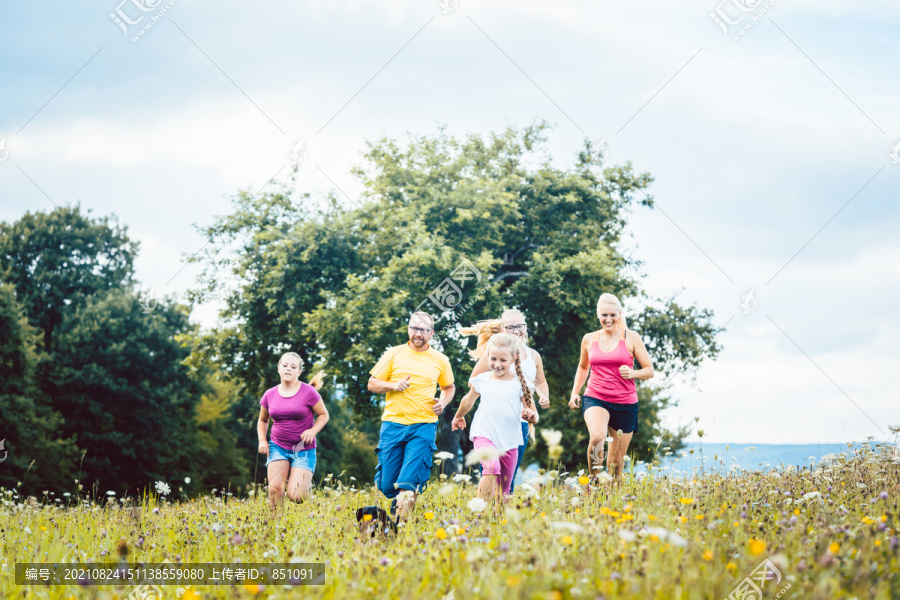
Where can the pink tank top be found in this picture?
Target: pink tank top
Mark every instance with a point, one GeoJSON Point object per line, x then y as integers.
{"type": "Point", "coordinates": [605, 382]}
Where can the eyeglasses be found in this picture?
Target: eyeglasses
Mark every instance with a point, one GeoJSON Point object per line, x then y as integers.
{"type": "Point", "coordinates": [418, 329]}
{"type": "Point", "coordinates": [519, 327]}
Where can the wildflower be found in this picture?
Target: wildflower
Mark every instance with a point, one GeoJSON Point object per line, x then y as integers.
{"type": "Point", "coordinates": [155, 510]}
{"type": "Point", "coordinates": [162, 488]}
{"type": "Point", "coordinates": [708, 555]}
{"type": "Point", "coordinates": [584, 480]}
{"type": "Point", "coordinates": [567, 540]}
{"type": "Point", "coordinates": [626, 535]}
{"type": "Point", "coordinates": [441, 534]}
{"type": "Point", "coordinates": [385, 561]}
{"type": "Point", "coordinates": [757, 547]}
{"type": "Point", "coordinates": [367, 517]}
{"type": "Point", "coordinates": [687, 500]}
{"type": "Point", "coordinates": [443, 455]}
{"type": "Point", "coordinates": [429, 515]}
{"type": "Point", "coordinates": [551, 436]}
{"type": "Point", "coordinates": [834, 548]}
{"type": "Point", "coordinates": [187, 479]}
{"type": "Point", "coordinates": [567, 526]}
{"type": "Point", "coordinates": [462, 478]}
{"type": "Point", "coordinates": [477, 504]}
{"type": "Point", "coordinates": [110, 493]}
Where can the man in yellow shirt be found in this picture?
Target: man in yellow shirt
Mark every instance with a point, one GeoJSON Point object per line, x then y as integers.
{"type": "Point", "coordinates": [408, 374]}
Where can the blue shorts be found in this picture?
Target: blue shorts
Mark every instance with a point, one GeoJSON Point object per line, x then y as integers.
{"type": "Point", "coordinates": [405, 455]}
{"type": "Point", "coordinates": [303, 459]}
{"type": "Point", "coordinates": [621, 416]}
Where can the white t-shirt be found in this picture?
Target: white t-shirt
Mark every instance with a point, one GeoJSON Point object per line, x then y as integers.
{"type": "Point", "coordinates": [499, 413]}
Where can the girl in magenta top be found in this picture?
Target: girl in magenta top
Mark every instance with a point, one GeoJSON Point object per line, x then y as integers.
{"type": "Point", "coordinates": [610, 403]}
{"type": "Point", "coordinates": [298, 415]}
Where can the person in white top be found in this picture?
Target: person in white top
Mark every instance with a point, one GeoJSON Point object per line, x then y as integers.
{"type": "Point", "coordinates": [512, 321]}
{"type": "Point", "coordinates": [505, 401]}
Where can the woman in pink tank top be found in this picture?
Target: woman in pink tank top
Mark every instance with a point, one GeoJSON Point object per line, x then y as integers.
{"type": "Point", "coordinates": [610, 402]}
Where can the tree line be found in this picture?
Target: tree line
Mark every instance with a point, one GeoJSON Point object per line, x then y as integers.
{"type": "Point", "coordinates": [98, 386]}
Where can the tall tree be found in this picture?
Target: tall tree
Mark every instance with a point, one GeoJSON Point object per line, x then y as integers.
{"type": "Point", "coordinates": [492, 216]}
{"type": "Point", "coordinates": [58, 259]}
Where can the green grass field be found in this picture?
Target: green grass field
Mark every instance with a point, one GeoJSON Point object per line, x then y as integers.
{"type": "Point", "coordinates": [830, 532]}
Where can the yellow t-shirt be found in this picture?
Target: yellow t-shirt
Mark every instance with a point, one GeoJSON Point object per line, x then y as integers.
{"type": "Point", "coordinates": [425, 370]}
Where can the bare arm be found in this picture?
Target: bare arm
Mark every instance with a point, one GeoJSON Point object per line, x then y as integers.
{"type": "Point", "coordinates": [321, 419]}
{"type": "Point", "coordinates": [643, 357]}
{"type": "Point", "coordinates": [465, 405]}
{"type": "Point", "coordinates": [581, 374]}
{"type": "Point", "coordinates": [262, 429]}
{"type": "Point", "coordinates": [446, 398]}
{"type": "Point", "coordinates": [380, 386]}
{"type": "Point", "coordinates": [540, 382]}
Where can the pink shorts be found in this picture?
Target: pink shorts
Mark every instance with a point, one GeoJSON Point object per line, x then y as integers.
{"type": "Point", "coordinates": [504, 465]}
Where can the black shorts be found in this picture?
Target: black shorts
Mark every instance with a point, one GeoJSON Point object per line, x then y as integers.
{"type": "Point", "coordinates": [621, 416]}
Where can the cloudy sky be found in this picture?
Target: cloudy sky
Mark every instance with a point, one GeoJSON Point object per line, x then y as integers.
{"type": "Point", "coordinates": [770, 137]}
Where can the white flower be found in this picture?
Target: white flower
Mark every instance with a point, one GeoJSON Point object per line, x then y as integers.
{"type": "Point", "coordinates": [216, 527]}
{"type": "Point", "coordinates": [551, 436]}
{"type": "Point", "coordinates": [567, 526]}
{"type": "Point", "coordinates": [481, 454]}
{"type": "Point", "coordinates": [475, 554]}
{"type": "Point", "coordinates": [462, 478]}
{"type": "Point", "coordinates": [162, 488]}
{"type": "Point", "coordinates": [809, 496]}
{"type": "Point", "coordinates": [445, 489]}
{"type": "Point", "coordinates": [604, 476]}
{"type": "Point", "coordinates": [27, 529]}
{"type": "Point", "coordinates": [444, 455]}
{"type": "Point", "coordinates": [627, 535]}
{"type": "Point", "coordinates": [187, 479]}
{"type": "Point", "coordinates": [530, 491]}
{"type": "Point", "coordinates": [110, 493]}
{"type": "Point", "coordinates": [477, 505]}
{"type": "Point", "coordinates": [677, 540]}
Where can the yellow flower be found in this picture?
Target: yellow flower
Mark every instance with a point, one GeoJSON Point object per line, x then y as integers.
{"type": "Point", "coordinates": [614, 513]}
{"type": "Point", "coordinates": [654, 538]}
{"type": "Point", "coordinates": [252, 588]}
{"type": "Point", "coordinates": [883, 518]}
{"type": "Point", "coordinates": [460, 531]}
{"type": "Point", "coordinates": [834, 547]}
{"type": "Point", "coordinates": [877, 542]}
{"type": "Point", "coordinates": [543, 515]}
{"type": "Point", "coordinates": [736, 524]}
{"type": "Point", "coordinates": [367, 517]}
{"type": "Point", "coordinates": [567, 540]}
{"type": "Point", "coordinates": [687, 500]}
{"type": "Point", "coordinates": [577, 510]}
{"type": "Point", "coordinates": [757, 547]}
{"type": "Point", "coordinates": [512, 581]}
{"type": "Point", "coordinates": [866, 520]}
{"type": "Point", "coordinates": [708, 555]}
{"type": "Point", "coordinates": [627, 508]}
{"type": "Point", "coordinates": [43, 528]}
{"type": "Point", "coordinates": [441, 534]}
{"type": "Point", "coordinates": [584, 480]}
{"type": "Point", "coordinates": [683, 519]}
{"type": "Point", "coordinates": [651, 517]}
{"type": "Point", "coordinates": [503, 522]}
{"type": "Point", "coordinates": [190, 595]}
{"type": "Point", "coordinates": [731, 566]}
{"type": "Point", "coordinates": [556, 595]}
{"type": "Point", "coordinates": [699, 517]}
{"type": "Point", "coordinates": [429, 515]}
{"type": "Point", "coordinates": [796, 512]}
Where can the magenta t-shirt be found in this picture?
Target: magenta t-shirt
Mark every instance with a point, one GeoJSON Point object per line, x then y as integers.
{"type": "Point", "coordinates": [292, 416]}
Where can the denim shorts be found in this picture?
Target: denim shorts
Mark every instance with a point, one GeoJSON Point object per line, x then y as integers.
{"type": "Point", "coordinates": [303, 459]}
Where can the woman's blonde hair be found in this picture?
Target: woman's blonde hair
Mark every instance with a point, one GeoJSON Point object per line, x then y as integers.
{"type": "Point", "coordinates": [608, 298]}
{"type": "Point", "coordinates": [514, 346]}
{"type": "Point", "coordinates": [317, 380]}
{"type": "Point", "coordinates": [484, 330]}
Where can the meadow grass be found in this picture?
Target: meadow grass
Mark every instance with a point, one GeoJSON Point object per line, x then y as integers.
{"type": "Point", "coordinates": [829, 530]}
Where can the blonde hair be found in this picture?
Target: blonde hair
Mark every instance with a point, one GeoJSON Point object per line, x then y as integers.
{"type": "Point", "coordinates": [513, 345]}
{"type": "Point", "coordinates": [484, 330]}
{"type": "Point", "coordinates": [608, 298]}
{"type": "Point", "coordinates": [317, 380]}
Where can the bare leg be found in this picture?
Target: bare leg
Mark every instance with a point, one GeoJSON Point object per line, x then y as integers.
{"type": "Point", "coordinates": [277, 473]}
{"type": "Point", "coordinates": [405, 507]}
{"type": "Point", "coordinates": [597, 420]}
{"type": "Point", "coordinates": [299, 484]}
{"type": "Point", "coordinates": [617, 450]}
{"type": "Point", "coordinates": [488, 487]}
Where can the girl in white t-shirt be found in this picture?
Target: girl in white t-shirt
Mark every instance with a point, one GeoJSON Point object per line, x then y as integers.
{"type": "Point", "coordinates": [505, 401]}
